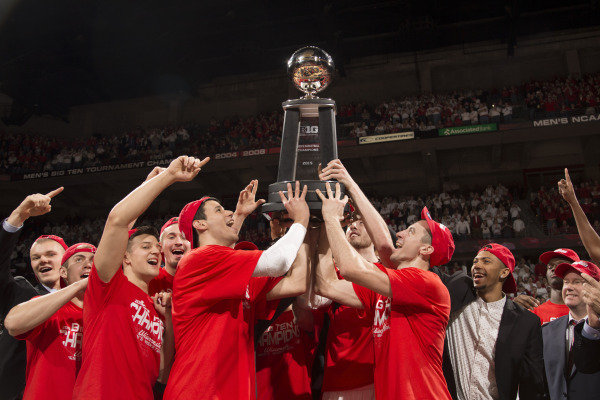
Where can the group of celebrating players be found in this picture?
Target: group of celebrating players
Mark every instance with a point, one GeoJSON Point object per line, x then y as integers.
{"type": "Point", "coordinates": [335, 308]}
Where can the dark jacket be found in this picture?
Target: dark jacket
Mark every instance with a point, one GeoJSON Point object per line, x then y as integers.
{"type": "Point", "coordinates": [13, 291]}
{"type": "Point", "coordinates": [519, 354]}
{"type": "Point", "coordinates": [586, 352]}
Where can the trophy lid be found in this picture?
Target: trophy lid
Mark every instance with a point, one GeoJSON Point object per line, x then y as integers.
{"type": "Point", "coordinates": [311, 70]}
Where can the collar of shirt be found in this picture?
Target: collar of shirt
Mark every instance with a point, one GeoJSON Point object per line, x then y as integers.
{"type": "Point", "coordinates": [492, 306]}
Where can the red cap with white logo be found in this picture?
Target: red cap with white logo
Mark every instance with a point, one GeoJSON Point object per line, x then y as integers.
{"type": "Point", "coordinates": [559, 253]}
{"type": "Point", "coordinates": [584, 267]}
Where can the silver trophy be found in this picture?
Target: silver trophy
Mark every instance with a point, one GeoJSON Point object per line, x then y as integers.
{"type": "Point", "coordinates": [309, 135]}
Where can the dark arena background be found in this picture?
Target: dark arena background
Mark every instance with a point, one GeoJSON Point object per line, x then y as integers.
{"type": "Point", "coordinates": [479, 102]}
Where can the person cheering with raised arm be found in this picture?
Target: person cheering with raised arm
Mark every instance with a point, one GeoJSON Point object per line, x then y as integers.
{"type": "Point", "coordinates": [214, 293]}
{"type": "Point", "coordinates": [126, 345]}
{"type": "Point", "coordinates": [408, 304]}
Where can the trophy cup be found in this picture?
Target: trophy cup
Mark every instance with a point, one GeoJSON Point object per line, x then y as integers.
{"type": "Point", "coordinates": [309, 135]}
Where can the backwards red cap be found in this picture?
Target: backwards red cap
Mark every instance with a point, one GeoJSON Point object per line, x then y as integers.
{"type": "Point", "coordinates": [78, 248]}
{"type": "Point", "coordinates": [186, 217]}
{"type": "Point", "coordinates": [245, 246]}
{"type": "Point", "coordinates": [584, 267]}
{"type": "Point", "coordinates": [441, 240]}
{"type": "Point", "coordinates": [57, 239]}
{"type": "Point", "coordinates": [167, 224]}
{"type": "Point", "coordinates": [559, 253]}
{"type": "Point", "coordinates": [507, 258]}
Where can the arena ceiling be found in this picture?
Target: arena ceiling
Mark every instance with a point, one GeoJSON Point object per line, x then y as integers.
{"type": "Point", "coordinates": [57, 54]}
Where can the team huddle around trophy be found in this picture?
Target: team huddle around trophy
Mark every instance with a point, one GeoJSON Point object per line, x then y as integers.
{"type": "Point", "coordinates": [338, 307]}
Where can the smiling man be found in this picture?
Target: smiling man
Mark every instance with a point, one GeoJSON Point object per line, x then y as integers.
{"type": "Point", "coordinates": [174, 246]}
{"type": "Point", "coordinates": [126, 345]}
{"type": "Point", "coordinates": [15, 290]}
{"type": "Point", "coordinates": [45, 255]}
{"type": "Point", "coordinates": [214, 293]}
{"type": "Point", "coordinates": [562, 373]}
{"type": "Point", "coordinates": [53, 328]}
{"type": "Point", "coordinates": [495, 345]}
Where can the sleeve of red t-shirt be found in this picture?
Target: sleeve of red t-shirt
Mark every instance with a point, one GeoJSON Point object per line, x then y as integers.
{"type": "Point", "coordinates": [412, 286]}
{"type": "Point", "coordinates": [211, 274]}
{"type": "Point", "coordinates": [366, 296]}
{"type": "Point", "coordinates": [259, 287]}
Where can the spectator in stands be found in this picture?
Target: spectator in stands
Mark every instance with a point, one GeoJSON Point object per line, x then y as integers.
{"type": "Point", "coordinates": [519, 226]}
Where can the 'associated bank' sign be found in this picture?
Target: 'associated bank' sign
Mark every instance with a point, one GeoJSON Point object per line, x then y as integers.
{"type": "Point", "coordinates": [463, 130]}
{"type": "Point", "coordinates": [566, 120]}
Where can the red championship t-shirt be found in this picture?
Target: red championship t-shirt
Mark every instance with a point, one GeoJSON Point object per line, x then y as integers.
{"type": "Point", "coordinates": [349, 352]}
{"type": "Point", "coordinates": [282, 360]}
{"type": "Point", "coordinates": [54, 354]}
{"type": "Point", "coordinates": [162, 283]}
{"type": "Point", "coordinates": [549, 311]}
{"type": "Point", "coordinates": [121, 342]}
{"type": "Point", "coordinates": [213, 321]}
{"type": "Point", "coordinates": [408, 334]}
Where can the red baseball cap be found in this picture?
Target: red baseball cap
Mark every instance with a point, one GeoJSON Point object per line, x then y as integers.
{"type": "Point", "coordinates": [172, 221]}
{"type": "Point", "coordinates": [186, 217]}
{"type": "Point", "coordinates": [441, 240]}
{"type": "Point", "coordinates": [57, 239]}
{"type": "Point", "coordinates": [78, 248]}
{"type": "Point", "coordinates": [245, 246]}
{"type": "Point", "coordinates": [559, 253]}
{"type": "Point", "coordinates": [584, 267]}
{"type": "Point", "coordinates": [505, 255]}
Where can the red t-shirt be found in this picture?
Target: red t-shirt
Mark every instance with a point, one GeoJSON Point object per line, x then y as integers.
{"type": "Point", "coordinates": [162, 283]}
{"type": "Point", "coordinates": [121, 342]}
{"type": "Point", "coordinates": [549, 311]}
{"type": "Point", "coordinates": [54, 354]}
{"type": "Point", "coordinates": [213, 320]}
{"type": "Point", "coordinates": [349, 355]}
{"type": "Point", "coordinates": [282, 360]}
{"type": "Point", "coordinates": [408, 334]}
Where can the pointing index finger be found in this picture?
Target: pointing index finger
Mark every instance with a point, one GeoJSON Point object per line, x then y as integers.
{"type": "Point", "coordinates": [55, 192]}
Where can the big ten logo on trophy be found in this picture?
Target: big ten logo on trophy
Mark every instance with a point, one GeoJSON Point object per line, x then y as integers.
{"type": "Point", "coordinates": [309, 135]}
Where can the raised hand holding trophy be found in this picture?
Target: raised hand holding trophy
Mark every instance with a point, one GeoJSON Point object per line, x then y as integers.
{"type": "Point", "coordinates": [309, 135]}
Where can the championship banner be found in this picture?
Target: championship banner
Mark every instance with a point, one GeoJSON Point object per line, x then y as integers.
{"type": "Point", "coordinates": [566, 120]}
{"type": "Point", "coordinates": [392, 137]}
{"type": "Point", "coordinates": [462, 130]}
{"type": "Point", "coordinates": [100, 168]}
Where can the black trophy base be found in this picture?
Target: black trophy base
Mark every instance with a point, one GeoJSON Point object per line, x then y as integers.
{"type": "Point", "coordinates": [274, 203]}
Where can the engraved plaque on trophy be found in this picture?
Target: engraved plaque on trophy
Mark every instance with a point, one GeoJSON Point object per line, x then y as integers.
{"type": "Point", "coordinates": [309, 135]}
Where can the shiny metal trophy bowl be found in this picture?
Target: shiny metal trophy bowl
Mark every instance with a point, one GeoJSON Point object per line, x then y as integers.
{"type": "Point", "coordinates": [309, 135]}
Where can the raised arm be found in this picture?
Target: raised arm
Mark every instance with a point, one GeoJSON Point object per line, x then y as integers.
{"type": "Point", "coordinates": [352, 266]}
{"type": "Point", "coordinates": [327, 283]}
{"type": "Point", "coordinates": [113, 243]}
{"type": "Point", "coordinates": [27, 316]}
{"type": "Point", "coordinates": [277, 259]}
{"type": "Point", "coordinates": [246, 204]}
{"type": "Point", "coordinates": [376, 226]}
{"type": "Point", "coordinates": [33, 205]}
{"type": "Point", "coordinates": [589, 237]}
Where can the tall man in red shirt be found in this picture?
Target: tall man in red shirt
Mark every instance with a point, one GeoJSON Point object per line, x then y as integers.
{"type": "Point", "coordinates": [125, 348]}
{"type": "Point", "coordinates": [349, 348]}
{"type": "Point", "coordinates": [214, 296]}
{"type": "Point", "coordinates": [53, 328]}
{"type": "Point", "coordinates": [555, 306]}
{"type": "Point", "coordinates": [410, 305]}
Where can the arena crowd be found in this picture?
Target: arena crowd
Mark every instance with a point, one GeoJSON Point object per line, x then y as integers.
{"type": "Point", "coordinates": [332, 308]}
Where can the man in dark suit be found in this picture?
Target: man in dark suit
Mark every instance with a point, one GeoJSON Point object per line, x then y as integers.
{"type": "Point", "coordinates": [16, 290]}
{"type": "Point", "coordinates": [586, 348]}
{"type": "Point", "coordinates": [494, 345]}
{"type": "Point", "coordinates": [563, 376]}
